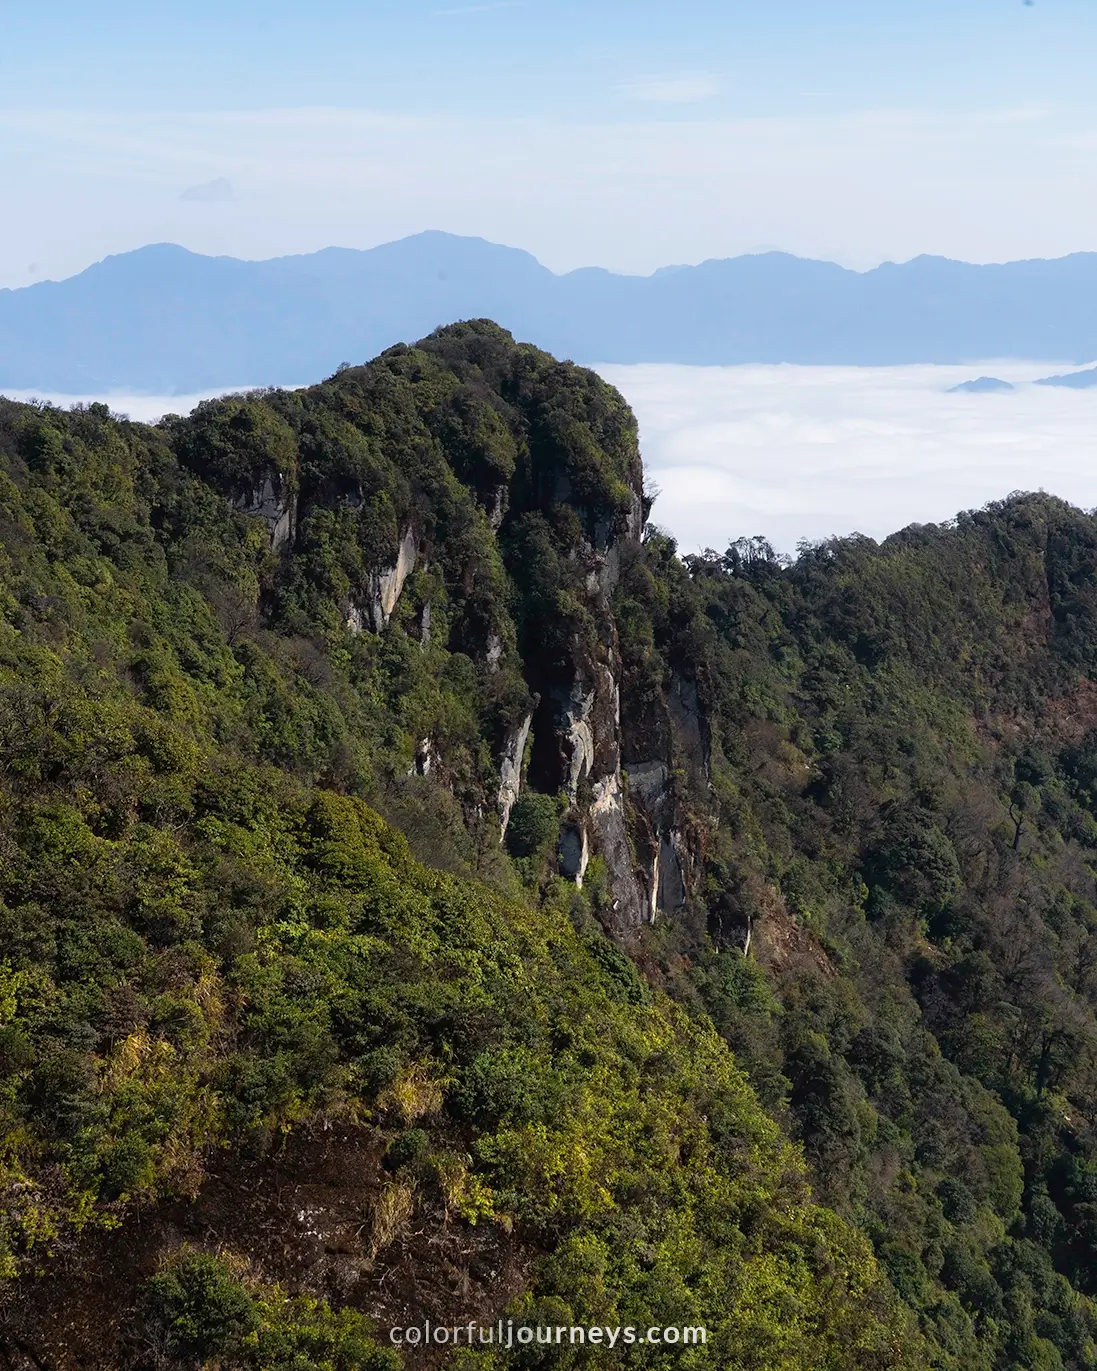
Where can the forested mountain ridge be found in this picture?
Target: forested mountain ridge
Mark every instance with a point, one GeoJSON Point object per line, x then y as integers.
{"type": "Point", "coordinates": [311, 1078]}
{"type": "Point", "coordinates": [423, 892]}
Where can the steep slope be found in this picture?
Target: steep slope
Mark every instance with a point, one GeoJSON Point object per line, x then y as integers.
{"type": "Point", "coordinates": [902, 835]}
{"type": "Point", "coordinates": [165, 320]}
{"type": "Point", "coordinates": [424, 893]}
{"type": "Point", "coordinates": [263, 1072]}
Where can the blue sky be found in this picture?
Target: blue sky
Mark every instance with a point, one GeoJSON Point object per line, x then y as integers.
{"type": "Point", "coordinates": [624, 134]}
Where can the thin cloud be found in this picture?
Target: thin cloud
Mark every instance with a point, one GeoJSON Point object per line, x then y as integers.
{"type": "Point", "coordinates": [674, 88]}
{"type": "Point", "coordinates": [210, 192]}
{"type": "Point", "coordinates": [483, 9]}
{"type": "Point", "coordinates": [631, 193]}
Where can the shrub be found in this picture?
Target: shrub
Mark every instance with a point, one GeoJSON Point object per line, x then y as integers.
{"type": "Point", "coordinates": [534, 823]}
{"type": "Point", "coordinates": [198, 1308]}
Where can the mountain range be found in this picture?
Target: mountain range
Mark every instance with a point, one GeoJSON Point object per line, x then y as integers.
{"type": "Point", "coordinates": [166, 320]}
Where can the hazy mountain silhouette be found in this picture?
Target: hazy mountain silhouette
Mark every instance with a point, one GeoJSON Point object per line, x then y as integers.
{"type": "Point", "coordinates": [982, 385]}
{"type": "Point", "coordinates": [1076, 380]}
{"type": "Point", "coordinates": [164, 319]}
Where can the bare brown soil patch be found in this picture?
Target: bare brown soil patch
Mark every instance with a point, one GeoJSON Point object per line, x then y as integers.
{"type": "Point", "coordinates": [301, 1216]}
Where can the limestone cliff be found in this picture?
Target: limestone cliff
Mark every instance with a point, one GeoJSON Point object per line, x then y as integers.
{"type": "Point", "coordinates": [480, 499]}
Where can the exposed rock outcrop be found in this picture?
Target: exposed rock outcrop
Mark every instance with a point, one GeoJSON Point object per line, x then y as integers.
{"type": "Point", "coordinates": [670, 884]}
{"type": "Point", "coordinates": [384, 592]}
{"type": "Point", "coordinates": [660, 845]}
{"type": "Point", "coordinates": [385, 586]}
{"type": "Point", "coordinates": [510, 771]}
{"type": "Point", "coordinates": [275, 504]}
{"type": "Point", "coordinates": [588, 725]}
{"type": "Point", "coordinates": [630, 907]}
{"type": "Point", "coordinates": [689, 730]}
{"type": "Point", "coordinates": [497, 507]}
{"type": "Point", "coordinates": [578, 736]}
{"type": "Point", "coordinates": [634, 520]}
{"type": "Point", "coordinates": [426, 758]}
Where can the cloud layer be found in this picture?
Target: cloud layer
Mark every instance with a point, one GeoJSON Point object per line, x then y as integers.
{"type": "Point", "coordinates": [809, 452]}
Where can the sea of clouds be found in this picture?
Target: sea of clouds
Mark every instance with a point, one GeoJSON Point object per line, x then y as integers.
{"type": "Point", "coordinates": [796, 453]}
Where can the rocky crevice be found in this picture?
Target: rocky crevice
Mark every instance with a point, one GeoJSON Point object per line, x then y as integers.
{"type": "Point", "coordinates": [587, 727]}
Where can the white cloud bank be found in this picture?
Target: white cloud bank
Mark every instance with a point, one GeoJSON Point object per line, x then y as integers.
{"type": "Point", "coordinates": [808, 452]}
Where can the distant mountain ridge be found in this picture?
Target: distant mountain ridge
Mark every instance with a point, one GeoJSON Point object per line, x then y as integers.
{"type": "Point", "coordinates": [164, 319]}
{"type": "Point", "coordinates": [1075, 380]}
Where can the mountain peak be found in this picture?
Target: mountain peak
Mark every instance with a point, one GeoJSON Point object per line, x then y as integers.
{"type": "Point", "coordinates": [982, 385]}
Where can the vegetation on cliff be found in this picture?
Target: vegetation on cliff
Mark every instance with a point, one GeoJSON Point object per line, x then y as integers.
{"type": "Point", "coordinates": [902, 757]}
{"type": "Point", "coordinates": [338, 727]}
{"type": "Point", "coordinates": [210, 938]}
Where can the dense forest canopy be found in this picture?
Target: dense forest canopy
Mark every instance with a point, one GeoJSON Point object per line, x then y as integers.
{"type": "Point", "coordinates": [624, 937]}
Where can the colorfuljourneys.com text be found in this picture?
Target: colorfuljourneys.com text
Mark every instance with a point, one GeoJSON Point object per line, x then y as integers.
{"type": "Point", "coordinates": [506, 1333]}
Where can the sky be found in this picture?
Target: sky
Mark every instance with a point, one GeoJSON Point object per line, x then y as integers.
{"type": "Point", "coordinates": [624, 133]}
{"type": "Point", "coordinates": [630, 134]}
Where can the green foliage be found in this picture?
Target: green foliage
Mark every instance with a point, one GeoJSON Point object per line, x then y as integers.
{"type": "Point", "coordinates": [238, 442]}
{"type": "Point", "coordinates": [211, 937]}
{"type": "Point", "coordinates": [199, 1312]}
{"type": "Point", "coordinates": [534, 824]}
{"type": "Point", "coordinates": [901, 760]}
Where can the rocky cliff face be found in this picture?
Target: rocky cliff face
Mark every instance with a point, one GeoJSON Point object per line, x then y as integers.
{"type": "Point", "coordinates": [386, 585]}
{"type": "Point", "coordinates": [480, 499]}
{"type": "Point", "coordinates": [605, 819]}
{"type": "Point", "coordinates": [274, 504]}
{"type": "Point", "coordinates": [510, 770]}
